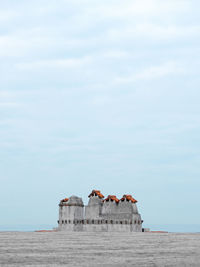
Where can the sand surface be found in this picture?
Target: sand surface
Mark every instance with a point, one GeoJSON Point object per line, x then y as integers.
{"type": "Point", "coordinates": [99, 249]}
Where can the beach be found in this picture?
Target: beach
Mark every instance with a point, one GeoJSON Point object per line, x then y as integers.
{"type": "Point", "coordinates": [99, 249]}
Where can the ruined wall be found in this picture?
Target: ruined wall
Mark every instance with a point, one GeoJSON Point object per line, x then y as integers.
{"type": "Point", "coordinates": [94, 208]}
{"type": "Point", "coordinates": [98, 216]}
{"type": "Point", "coordinates": [101, 226]}
{"type": "Point", "coordinates": [109, 208]}
{"type": "Point", "coordinates": [71, 214]}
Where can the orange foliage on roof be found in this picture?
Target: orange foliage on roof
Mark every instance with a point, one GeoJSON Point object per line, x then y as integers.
{"type": "Point", "coordinates": [112, 197]}
{"type": "Point", "coordinates": [128, 197]}
{"type": "Point", "coordinates": [65, 199]}
{"type": "Point", "coordinates": [97, 192]}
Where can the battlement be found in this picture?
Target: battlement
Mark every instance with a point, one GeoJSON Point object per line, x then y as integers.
{"type": "Point", "coordinates": [109, 214]}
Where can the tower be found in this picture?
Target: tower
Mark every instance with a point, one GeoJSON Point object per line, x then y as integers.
{"type": "Point", "coordinates": [71, 214]}
{"type": "Point", "coordinates": [94, 208]}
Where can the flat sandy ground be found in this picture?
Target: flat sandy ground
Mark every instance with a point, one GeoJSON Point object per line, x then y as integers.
{"type": "Point", "coordinates": [99, 249]}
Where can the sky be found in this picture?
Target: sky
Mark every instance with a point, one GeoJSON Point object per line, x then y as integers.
{"type": "Point", "coordinates": [99, 95]}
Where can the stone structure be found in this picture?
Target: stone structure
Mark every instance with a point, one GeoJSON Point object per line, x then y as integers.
{"type": "Point", "coordinates": [101, 214]}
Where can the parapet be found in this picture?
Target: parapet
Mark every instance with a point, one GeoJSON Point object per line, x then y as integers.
{"type": "Point", "coordinates": [109, 214]}
{"type": "Point", "coordinates": [96, 193]}
{"type": "Point", "coordinates": [72, 201]}
{"type": "Point", "coordinates": [128, 198]}
{"type": "Point", "coordinates": [111, 198]}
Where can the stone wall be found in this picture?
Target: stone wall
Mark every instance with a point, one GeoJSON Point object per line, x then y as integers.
{"type": "Point", "coordinates": [98, 215]}
{"type": "Point", "coordinates": [100, 225]}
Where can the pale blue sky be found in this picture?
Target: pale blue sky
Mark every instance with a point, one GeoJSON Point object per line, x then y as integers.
{"type": "Point", "coordinates": [99, 94]}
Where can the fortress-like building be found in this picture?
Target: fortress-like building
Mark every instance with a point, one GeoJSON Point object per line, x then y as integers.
{"type": "Point", "coordinates": [101, 214]}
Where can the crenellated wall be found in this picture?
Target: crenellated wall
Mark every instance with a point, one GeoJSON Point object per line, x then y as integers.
{"type": "Point", "coordinates": [100, 215]}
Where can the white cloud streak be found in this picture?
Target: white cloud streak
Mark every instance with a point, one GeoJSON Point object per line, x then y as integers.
{"type": "Point", "coordinates": [153, 72]}
{"type": "Point", "coordinates": [58, 63]}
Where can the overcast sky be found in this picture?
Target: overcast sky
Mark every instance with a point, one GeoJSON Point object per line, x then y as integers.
{"type": "Point", "coordinates": [99, 95]}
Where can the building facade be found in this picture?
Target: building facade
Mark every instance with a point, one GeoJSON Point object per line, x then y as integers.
{"type": "Point", "coordinates": [101, 214]}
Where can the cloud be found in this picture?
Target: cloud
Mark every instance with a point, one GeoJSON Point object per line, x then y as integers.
{"type": "Point", "coordinates": [114, 54]}
{"type": "Point", "coordinates": [8, 105]}
{"type": "Point", "coordinates": [58, 63]}
{"type": "Point", "coordinates": [8, 15]}
{"type": "Point", "coordinates": [140, 8]}
{"type": "Point", "coordinates": [153, 72]}
{"type": "Point", "coordinates": [153, 32]}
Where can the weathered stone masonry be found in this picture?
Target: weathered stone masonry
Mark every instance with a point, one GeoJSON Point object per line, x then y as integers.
{"type": "Point", "coordinates": [109, 214]}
